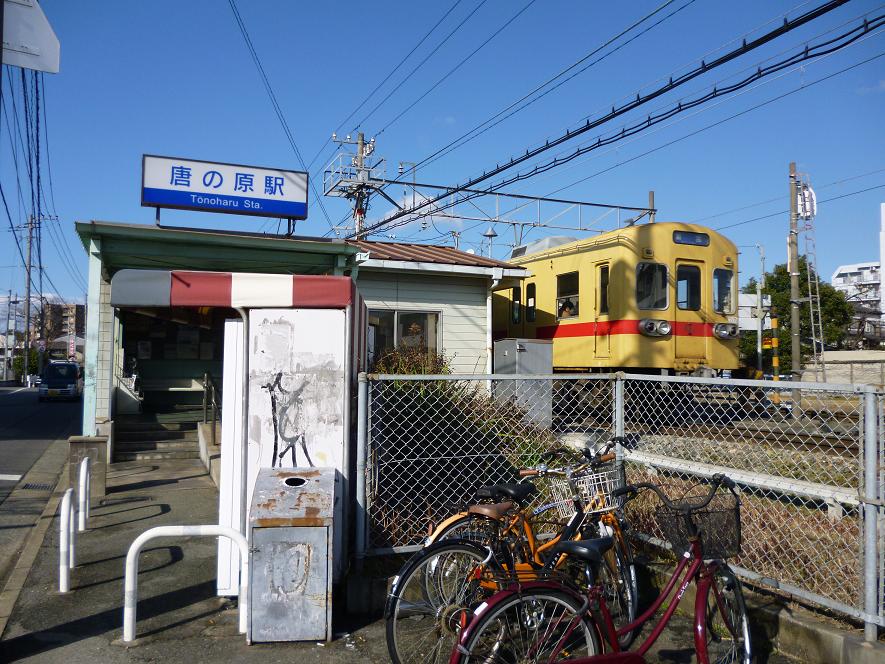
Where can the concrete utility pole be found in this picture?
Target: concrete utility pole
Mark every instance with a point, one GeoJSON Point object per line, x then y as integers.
{"type": "Point", "coordinates": [6, 332]}
{"type": "Point", "coordinates": [793, 266]}
{"type": "Point", "coordinates": [27, 347]}
{"type": "Point", "coordinates": [359, 209]}
{"type": "Point", "coordinates": [760, 311]}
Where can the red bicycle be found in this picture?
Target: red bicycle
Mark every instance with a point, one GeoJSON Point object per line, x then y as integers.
{"type": "Point", "coordinates": [552, 620]}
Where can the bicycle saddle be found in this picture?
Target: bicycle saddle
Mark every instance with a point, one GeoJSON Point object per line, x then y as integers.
{"type": "Point", "coordinates": [589, 550]}
{"type": "Point", "coordinates": [517, 492]}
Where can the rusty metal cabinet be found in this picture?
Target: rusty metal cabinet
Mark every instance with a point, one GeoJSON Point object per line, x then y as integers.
{"type": "Point", "coordinates": [294, 539]}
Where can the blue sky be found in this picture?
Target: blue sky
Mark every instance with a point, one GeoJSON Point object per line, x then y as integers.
{"type": "Point", "coordinates": [175, 78]}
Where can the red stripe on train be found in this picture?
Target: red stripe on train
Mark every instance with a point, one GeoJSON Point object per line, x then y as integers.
{"type": "Point", "coordinates": [626, 326]}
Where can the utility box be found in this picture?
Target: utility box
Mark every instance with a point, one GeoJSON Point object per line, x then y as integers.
{"type": "Point", "coordinates": [297, 553]}
{"type": "Point", "coordinates": [526, 357]}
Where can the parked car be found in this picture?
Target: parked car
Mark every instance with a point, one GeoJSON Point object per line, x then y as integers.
{"type": "Point", "coordinates": [61, 380]}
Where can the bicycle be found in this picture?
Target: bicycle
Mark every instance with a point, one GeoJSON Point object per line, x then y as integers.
{"type": "Point", "coordinates": [432, 597]}
{"type": "Point", "coordinates": [552, 620]}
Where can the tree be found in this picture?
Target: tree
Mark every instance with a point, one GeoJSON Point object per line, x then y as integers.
{"type": "Point", "coordinates": [17, 364]}
{"type": "Point", "coordinates": [836, 313]}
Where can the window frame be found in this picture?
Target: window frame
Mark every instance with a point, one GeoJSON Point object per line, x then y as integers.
{"type": "Point", "coordinates": [574, 297]}
{"type": "Point", "coordinates": [700, 283]}
{"type": "Point", "coordinates": [666, 286]}
{"type": "Point", "coordinates": [396, 326]}
{"type": "Point", "coordinates": [732, 291]}
{"type": "Point", "coordinates": [602, 293]}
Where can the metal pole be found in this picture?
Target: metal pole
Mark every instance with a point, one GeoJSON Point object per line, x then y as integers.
{"type": "Point", "coordinates": [362, 430]}
{"type": "Point", "coordinates": [83, 494]}
{"type": "Point", "coordinates": [64, 542]}
{"type": "Point", "coordinates": [793, 266]}
{"type": "Point", "coordinates": [651, 207]}
{"type": "Point", "coordinates": [618, 416]}
{"type": "Point", "coordinates": [26, 361]}
{"type": "Point", "coordinates": [8, 307]}
{"type": "Point", "coordinates": [870, 514]}
{"type": "Point", "coordinates": [244, 433]}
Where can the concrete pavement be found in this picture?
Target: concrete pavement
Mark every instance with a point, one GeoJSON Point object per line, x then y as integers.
{"type": "Point", "coordinates": [179, 617]}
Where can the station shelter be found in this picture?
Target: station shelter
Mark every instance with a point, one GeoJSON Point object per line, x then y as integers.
{"type": "Point", "coordinates": [155, 357]}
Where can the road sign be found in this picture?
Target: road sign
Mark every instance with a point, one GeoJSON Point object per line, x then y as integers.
{"type": "Point", "coordinates": [189, 184]}
{"type": "Point", "coordinates": [28, 39]}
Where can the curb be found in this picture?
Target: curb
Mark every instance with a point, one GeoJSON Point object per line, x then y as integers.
{"type": "Point", "coordinates": [28, 554]}
{"type": "Point", "coordinates": [794, 633]}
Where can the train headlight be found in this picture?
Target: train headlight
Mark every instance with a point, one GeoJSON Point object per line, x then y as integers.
{"type": "Point", "coordinates": [652, 327]}
{"type": "Point", "coordinates": [725, 330]}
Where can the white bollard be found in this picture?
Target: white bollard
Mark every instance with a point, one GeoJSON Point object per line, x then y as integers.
{"type": "Point", "coordinates": [130, 587]}
{"type": "Point", "coordinates": [64, 542]}
{"type": "Point", "coordinates": [72, 531]}
{"type": "Point", "coordinates": [83, 503]}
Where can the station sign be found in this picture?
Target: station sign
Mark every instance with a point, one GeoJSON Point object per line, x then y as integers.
{"type": "Point", "coordinates": [190, 184]}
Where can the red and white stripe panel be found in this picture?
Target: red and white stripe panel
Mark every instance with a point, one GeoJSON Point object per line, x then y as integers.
{"type": "Point", "coordinates": [181, 288]}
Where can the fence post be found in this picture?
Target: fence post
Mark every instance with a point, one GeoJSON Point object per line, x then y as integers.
{"type": "Point", "coordinates": [871, 514]}
{"type": "Point", "coordinates": [618, 416]}
{"type": "Point", "coordinates": [362, 427]}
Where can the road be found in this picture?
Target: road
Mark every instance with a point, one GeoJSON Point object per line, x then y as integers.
{"type": "Point", "coordinates": [27, 427]}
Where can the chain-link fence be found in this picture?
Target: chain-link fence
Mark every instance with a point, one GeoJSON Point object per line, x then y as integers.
{"type": "Point", "coordinates": [808, 460]}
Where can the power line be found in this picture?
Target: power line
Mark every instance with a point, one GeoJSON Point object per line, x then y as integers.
{"type": "Point", "coordinates": [276, 106]}
{"type": "Point", "coordinates": [783, 212]}
{"type": "Point", "coordinates": [420, 64]}
{"type": "Point", "coordinates": [384, 80]}
{"type": "Point", "coordinates": [491, 122]}
{"type": "Point", "coordinates": [457, 66]}
{"type": "Point", "coordinates": [704, 67]}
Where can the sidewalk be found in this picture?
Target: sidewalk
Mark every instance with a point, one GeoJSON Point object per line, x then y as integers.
{"type": "Point", "coordinates": [179, 617]}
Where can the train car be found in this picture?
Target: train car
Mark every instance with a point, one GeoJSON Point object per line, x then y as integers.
{"type": "Point", "coordinates": [649, 298]}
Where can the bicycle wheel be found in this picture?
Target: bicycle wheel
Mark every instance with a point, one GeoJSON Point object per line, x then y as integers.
{"type": "Point", "coordinates": [618, 577]}
{"type": "Point", "coordinates": [728, 630]}
{"type": "Point", "coordinates": [472, 527]}
{"type": "Point", "coordinates": [532, 625]}
{"type": "Point", "coordinates": [431, 600]}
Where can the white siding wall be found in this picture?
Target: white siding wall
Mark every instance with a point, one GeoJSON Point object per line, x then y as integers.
{"type": "Point", "coordinates": [460, 300]}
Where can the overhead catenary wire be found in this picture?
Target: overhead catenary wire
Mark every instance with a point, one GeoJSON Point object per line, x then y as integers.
{"type": "Point", "coordinates": [519, 106]}
{"type": "Point", "coordinates": [396, 68]}
{"type": "Point", "coordinates": [640, 100]}
{"type": "Point", "coordinates": [460, 64]}
{"type": "Point", "coordinates": [276, 106]}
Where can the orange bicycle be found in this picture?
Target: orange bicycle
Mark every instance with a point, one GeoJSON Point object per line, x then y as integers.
{"type": "Point", "coordinates": [470, 553]}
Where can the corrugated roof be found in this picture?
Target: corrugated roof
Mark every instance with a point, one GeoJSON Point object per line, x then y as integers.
{"type": "Point", "coordinates": [425, 253]}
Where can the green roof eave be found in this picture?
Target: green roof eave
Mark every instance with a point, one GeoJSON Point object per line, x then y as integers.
{"type": "Point", "coordinates": [139, 245]}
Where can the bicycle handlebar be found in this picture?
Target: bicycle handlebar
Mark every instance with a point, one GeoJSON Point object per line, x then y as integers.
{"type": "Point", "coordinates": [632, 490]}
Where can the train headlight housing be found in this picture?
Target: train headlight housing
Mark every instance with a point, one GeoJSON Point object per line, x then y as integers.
{"type": "Point", "coordinates": [652, 327]}
{"type": "Point", "coordinates": [725, 330]}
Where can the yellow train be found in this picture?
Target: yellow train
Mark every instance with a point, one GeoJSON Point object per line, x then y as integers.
{"type": "Point", "coordinates": [655, 297]}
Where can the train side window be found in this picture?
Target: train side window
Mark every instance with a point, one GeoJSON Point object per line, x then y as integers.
{"type": "Point", "coordinates": [567, 295]}
{"type": "Point", "coordinates": [530, 307]}
{"type": "Point", "coordinates": [723, 285]}
{"type": "Point", "coordinates": [688, 287]}
{"type": "Point", "coordinates": [603, 289]}
{"type": "Point", "coordinates": [651, 286]}
{"type": "Point", "coordinates": [516, 305]}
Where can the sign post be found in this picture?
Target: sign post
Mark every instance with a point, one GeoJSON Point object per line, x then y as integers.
{"type": "Point", "coordinates": [189, 184]}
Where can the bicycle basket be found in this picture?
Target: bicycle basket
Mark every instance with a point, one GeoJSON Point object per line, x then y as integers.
{"type": "Point", "coordinates": [596, 488]}
{"type": "Point", "coordinates": [719, 524]}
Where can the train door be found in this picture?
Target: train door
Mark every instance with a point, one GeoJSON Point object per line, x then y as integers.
{"type": "Point", "coordinates": [517, 327]}
{"type": "Point", "coordinates": [602, 337]}
{"type": "Point", "coordinates": [690, 328]}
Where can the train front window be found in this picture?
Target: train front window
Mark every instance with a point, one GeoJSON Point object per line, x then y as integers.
{"type": "Point", "coordinates": [688, 287]}
{"type": "Point", "coordinates": [530, 308]}
{"type": "Point", "coordinates": [651, 286]}
{"type": "Point", "coordinates": [723, 300]}
{"type": "Point", "coordinates": [567, 295]}
{"type": "Point", "coordinates": [515, 315]}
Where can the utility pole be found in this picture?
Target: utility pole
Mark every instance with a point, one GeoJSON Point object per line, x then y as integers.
{"type": "Point", "coordinates": [27, 347]}
{"type": "Point", "coordinates": [793, 265]}
{"type": "Point", "coordinates": [760, 311]}
{"type": "Point", "coordinates": [6, 335]}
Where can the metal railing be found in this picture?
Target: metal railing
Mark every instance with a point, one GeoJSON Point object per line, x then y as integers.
{"type": "Point", "coordinates": [211, 403]}
{"type": "Point", "coordinates": [73, 518]}
{"type": "Point", "coordinates": [807, 457]}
